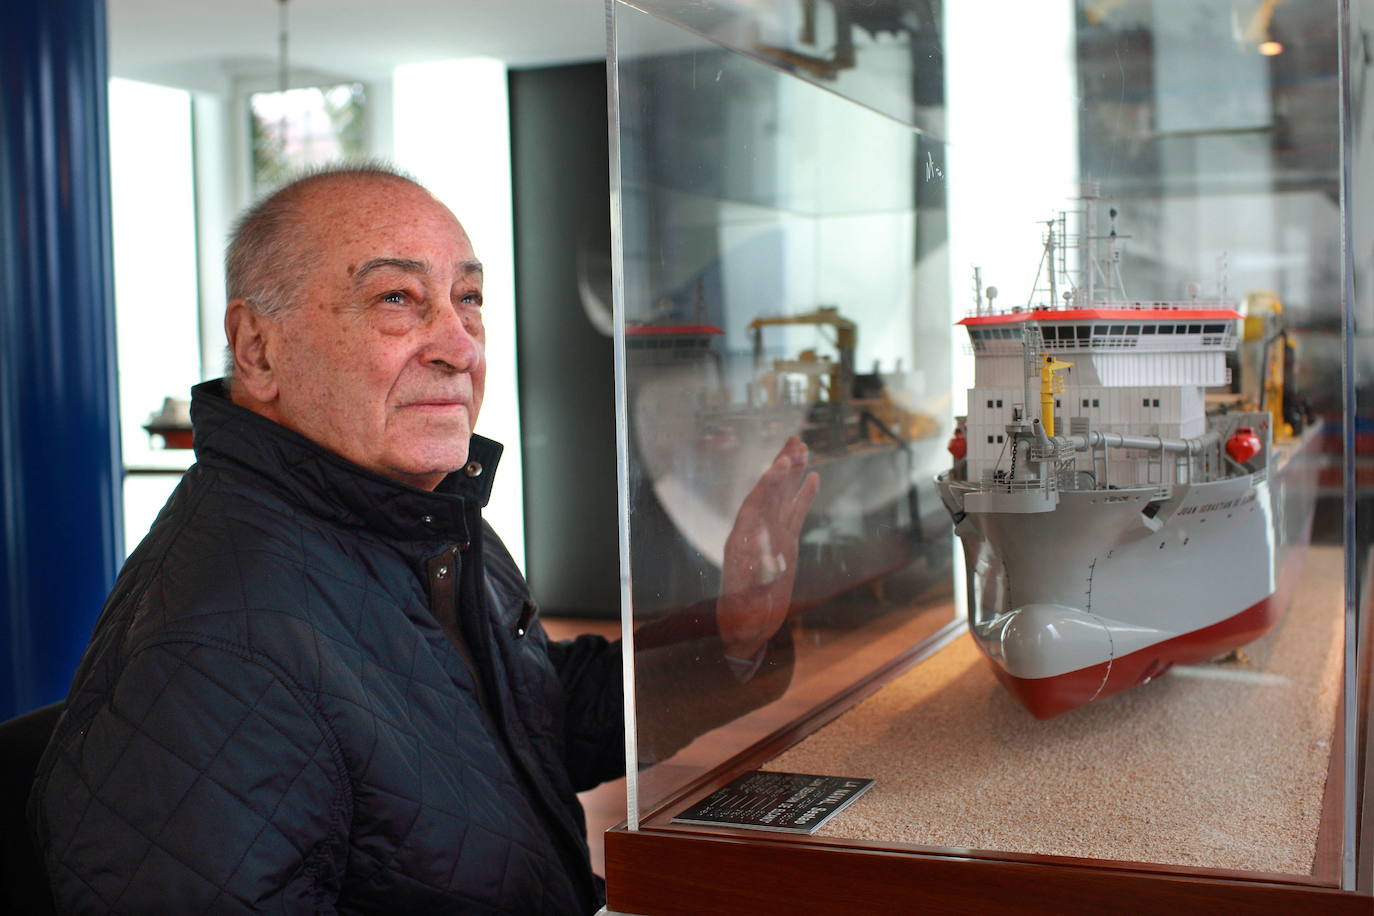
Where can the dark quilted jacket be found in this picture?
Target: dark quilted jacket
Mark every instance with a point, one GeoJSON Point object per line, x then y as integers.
{"type": "Point", "coordinates": [274, 715]}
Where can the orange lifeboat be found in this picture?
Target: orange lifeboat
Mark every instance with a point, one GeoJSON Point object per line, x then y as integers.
{"type": "Point", "coordinates": [958, 445]}
{"type": "Point", "coordinates": [1243, 445]}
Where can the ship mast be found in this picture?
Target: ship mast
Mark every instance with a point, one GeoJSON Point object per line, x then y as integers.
{"type": "Point", "coordinates": [1092, 269]}
{"type": "Point", "coordinates": [1085, 241]}
{"type": "Point", "coordinates": [1049, 261]}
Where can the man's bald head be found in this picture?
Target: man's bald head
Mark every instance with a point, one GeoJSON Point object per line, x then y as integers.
{"type": "Point", "coordinates": [271, 249]}
{"type": "Point", "coordinates": [355, 319]}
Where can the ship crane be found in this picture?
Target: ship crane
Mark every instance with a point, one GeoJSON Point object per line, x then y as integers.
{"type": "Point", "coordinates": [846, 338]}
{"type": "Point", "coordinates": [854, 408]}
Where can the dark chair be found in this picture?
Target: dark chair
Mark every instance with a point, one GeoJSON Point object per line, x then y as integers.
{"type": "Point", "coordinates": [23, 881]}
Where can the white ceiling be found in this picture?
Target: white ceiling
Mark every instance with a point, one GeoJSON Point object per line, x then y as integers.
{"type": "Point", "coordinates": [202, 44]}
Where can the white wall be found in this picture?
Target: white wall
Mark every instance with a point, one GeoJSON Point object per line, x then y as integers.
{"type": "Point", "coordinates": [1013, 145]}
{"type": "Point", "coordinates": [452, 132]}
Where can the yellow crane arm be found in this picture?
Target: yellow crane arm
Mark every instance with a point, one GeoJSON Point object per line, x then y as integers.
{"type": "Point", "coordinates": [1051, 383]}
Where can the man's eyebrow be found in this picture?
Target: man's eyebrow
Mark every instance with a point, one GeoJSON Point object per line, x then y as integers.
{"type": "Point", "coordinates": [470, 266]}
{"type": "Point", "coordinates": [408, 265]}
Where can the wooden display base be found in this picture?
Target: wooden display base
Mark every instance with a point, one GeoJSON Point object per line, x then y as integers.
{"type": "Point", "coordinates": [666, 868]}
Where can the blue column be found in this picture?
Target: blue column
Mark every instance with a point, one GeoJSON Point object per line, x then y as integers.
{"type": "Point", "coordinates": [60, 493]}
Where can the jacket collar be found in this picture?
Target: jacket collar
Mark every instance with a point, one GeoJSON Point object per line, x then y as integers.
{"type": "Point", "coordinates": [332, 487]}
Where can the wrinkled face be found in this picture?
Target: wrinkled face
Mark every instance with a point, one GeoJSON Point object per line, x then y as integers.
{"type": "Point", "coordinates": [383, 361]}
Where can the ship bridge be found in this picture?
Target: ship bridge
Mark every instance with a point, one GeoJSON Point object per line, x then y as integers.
{"type": "Point", "coordinates": [1137, 369]}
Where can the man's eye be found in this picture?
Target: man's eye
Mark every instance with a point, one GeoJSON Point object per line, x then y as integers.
{"type": "Point", "coordinates": [473, 299]}
{"type": "Point", "coordinates": [395, 297]}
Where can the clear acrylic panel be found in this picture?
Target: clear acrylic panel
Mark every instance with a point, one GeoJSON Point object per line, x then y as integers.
{"type": "Point", "coordinates": [1357, 446]}
{"type": "Point", "coordinates": [891, 230]}
{"type": "Point", "coordinates": [887, 55]}
{"type": "Point", "coordinates": [753, 282]}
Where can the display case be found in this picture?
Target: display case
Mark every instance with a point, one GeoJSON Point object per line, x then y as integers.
{"type": "Point", "coordinates": [993, 392]}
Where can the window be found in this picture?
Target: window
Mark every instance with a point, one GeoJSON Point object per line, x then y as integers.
{"type": "Point", "coordinates": [999, 402]}
{"type": "Point", "coordinates": [299, 128]}
{"type": "Point", "coordinates": [1117, 330]}
{"type": "Point", "coordinates": [1085, 402]}
{"type": "Point", "coordinates": [1145, 402]}
{"type": "Point", "coordinates": [1166, 329]}
{"type": "Point", "coordinates": [1133, 330]}
{"type": "Point", "coordinates": [1084, 331]}
{"type": "Point", "coordinates": [1050, 333]}
{"type": "Point", "coordinates": [1099, 330]}
{"type": "Point", "coordinates": [989, 440]}
{"type": "Point", "coordinates": [989, 402]}
{"type": "Point", "coordinates": [999, 438]}
{"type": "Point", "coordinates": [1156, 403]}
{"type": "Point", "coordinates": [1097, 402]}
{"type": "Point", "coordinates": [153, 215]}
{"type": "Point", "coordinates": [1214, 329]}
{"type": "Point", "coordinates": [1194, 329]}
{"type": "Point", "coordinates": [1149, 329]}
{"type": "Point", "coordinates": [1180, 329]}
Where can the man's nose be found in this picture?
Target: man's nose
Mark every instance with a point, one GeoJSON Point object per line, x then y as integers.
{"type": "Point", "coordinates": [453, 343]}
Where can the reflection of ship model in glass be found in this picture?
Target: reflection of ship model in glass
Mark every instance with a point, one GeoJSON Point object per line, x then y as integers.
{"type": "Point", "coordinates": [1114, 522]}
{"type": "Point", "coordinates": [704, 442]}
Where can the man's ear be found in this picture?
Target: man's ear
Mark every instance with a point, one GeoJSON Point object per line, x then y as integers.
{"type": "Point", "coordinates": [248, 333]}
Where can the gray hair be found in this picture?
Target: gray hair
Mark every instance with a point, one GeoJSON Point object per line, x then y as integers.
{"type": "Point", "coordinates": [268, 256]}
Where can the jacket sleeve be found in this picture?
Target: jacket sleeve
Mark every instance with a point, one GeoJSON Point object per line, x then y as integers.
{"type": "Point", "coordinates": [685, 683]}
{"type": "Point", "coordinates": [201, 782]}
{"type": "Point", "coordinates": [589, 672]}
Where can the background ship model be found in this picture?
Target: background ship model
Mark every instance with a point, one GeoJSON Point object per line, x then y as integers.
{"type": "Point", "coordinates": [1115, 522]}
{"type": "Point", "coordinates": [702, 440]}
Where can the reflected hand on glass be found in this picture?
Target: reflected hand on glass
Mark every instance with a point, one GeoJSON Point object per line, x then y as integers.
{"type": "Point", "coordinates": [760, 565]}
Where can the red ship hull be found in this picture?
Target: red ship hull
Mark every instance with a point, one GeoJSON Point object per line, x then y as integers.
{"type": "Point", "coordinates": [1051, 696]}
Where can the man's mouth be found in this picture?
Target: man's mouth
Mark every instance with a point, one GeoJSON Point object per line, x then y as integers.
{"type": "Point", "coordinates": [436, 405]}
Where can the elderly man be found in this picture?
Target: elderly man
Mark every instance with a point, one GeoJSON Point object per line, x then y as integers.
{"type": "Point", "coordinates": [320, 684]}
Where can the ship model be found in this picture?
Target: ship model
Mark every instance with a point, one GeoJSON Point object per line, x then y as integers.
{"type": "Point", "coordinates": [1116, 519]}
{"type": "Point", "coordinates": [702, 441]}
